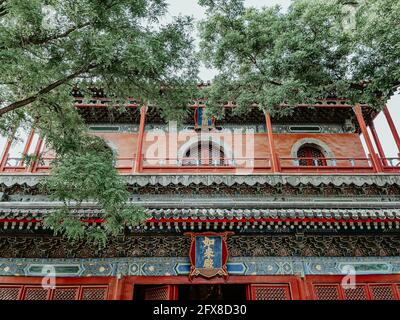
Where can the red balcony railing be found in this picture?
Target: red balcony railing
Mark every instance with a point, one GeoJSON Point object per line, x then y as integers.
{"type": "Point", "coordinates": [225, 165]}
{"type": "Point", "coordinates": [391, 164]}
{"type": "Point", "coordinates": [330, 165]}
{"type": "Point", "coordinates": [125, 165]}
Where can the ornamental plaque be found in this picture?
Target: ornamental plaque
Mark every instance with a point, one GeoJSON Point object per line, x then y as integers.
{"type": "Point", "coordinates": [208, 254]}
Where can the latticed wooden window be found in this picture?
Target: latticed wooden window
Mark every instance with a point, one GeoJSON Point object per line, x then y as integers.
{"type": "Point", "coordinates": [311, 156]}
{"type": "Point", "coordinates": [66, 293]}
{"type": "Point", "coordinates": [204, 153]}
{"type": "Point", "coordinates": [382, 292]}
{"type": "Point", "coordinates": [270, 292]}
{"type": "Point", "coordinates": [29, 292]}
{"type": "Point", "coordinates": [94, 293]}
{"type": "Point", "coordinates": [10, 292]}
{"type": "Point", "coordinates": [362, 291]}
{"type": "Point", "coordinates": [327, 292]}
{"type": "Point", "coordinates": [36, 293]}
{"type": "Point", "coordinates": [357, 293]}
{"type": "Point", "coordinates": [160, 293]}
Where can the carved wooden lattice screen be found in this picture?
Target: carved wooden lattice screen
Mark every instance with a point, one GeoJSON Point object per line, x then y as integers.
{"type": "Point", "coordinates": [379, 291]}
{"type": "Point", "coordinates": [327, 292]}
{"type": "Point", "coordinates": [10, 292]}
{"type": "Point", "coordinates": [270, 292]}
{"type": "Point", "coordinates": [168, 292]}
{"type": "Point", "coordinates": [25, 292]}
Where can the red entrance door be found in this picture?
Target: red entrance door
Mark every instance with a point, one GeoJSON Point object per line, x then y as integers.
{"type": "Point", "coordinates": [311, 157]}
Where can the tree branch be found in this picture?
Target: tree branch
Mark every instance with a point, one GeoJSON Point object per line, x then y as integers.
{"type": "Point", "coordinates": [254, 61]}
{"type": "Point", "coordinates": [47, 89]}
{"type": "Point", "coordinates": [33, 40]}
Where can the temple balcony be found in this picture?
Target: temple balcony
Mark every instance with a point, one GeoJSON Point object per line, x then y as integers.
{"type": "Point", "coordinates": [319, 139]}
{"type": "Point", "coordinates": [224, 166]}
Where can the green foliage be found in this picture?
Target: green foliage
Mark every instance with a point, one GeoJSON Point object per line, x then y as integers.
{"type": "Point", "coordinates": [270, 57]}
{"type": "Point", "coordinates": [87, 175]}
{"type": "Point", "coordinates": [49, 46]}
{"type": "Point", "coordinates": [377, 48]}
{"type": "Point", "coordinates": [265, 56]}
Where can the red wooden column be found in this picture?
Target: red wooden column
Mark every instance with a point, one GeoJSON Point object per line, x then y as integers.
{"type": "Point", "coordinates": [139, 157]}
{"type": "Point", "coordinates": [27, 145]}
{"type": "Point", "coordinates": [36, 154]}
{"type": "Point", "coordinates": [6, 151]}
{"type": "Point", "coordinates": [393, 129]}
{"type": "Point", "coordinates": [378, 143]}
{"type": "Point", "coordinates": [116, 288]}
{"type": "Point", "coordinates": [375, 160]}
{"type": "Point", "coordinates": [274, 158]}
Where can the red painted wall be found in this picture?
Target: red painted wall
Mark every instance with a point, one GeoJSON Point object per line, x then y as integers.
{"type": "Point", "coordinates": [342, 145]}
{"type": "Point", "coordinates": [322, 287]}
{"type": "Point", "coordinates": [253, 146]}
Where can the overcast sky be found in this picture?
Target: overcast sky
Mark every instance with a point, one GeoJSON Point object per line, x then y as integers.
{"type": "Point", "coordinates": [190, 7]}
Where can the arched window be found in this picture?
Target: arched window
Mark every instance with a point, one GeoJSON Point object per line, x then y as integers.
{"type": "Point", "coordinates": [204, 154]}
{"type": "Point", "coordinates": [310, 155]}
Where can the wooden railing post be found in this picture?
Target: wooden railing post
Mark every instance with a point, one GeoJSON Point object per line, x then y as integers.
{"type": "Point", "coordinates": [392, 127]}
{"type": "Point", "coordinates": [378, 143]}
{"type": "Point", "coordinates": [375, 160]}
{"type": "Point", "coordinates": [139, 149]}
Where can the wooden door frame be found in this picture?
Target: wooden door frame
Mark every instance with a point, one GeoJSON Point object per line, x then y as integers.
{"type": "Point", "coordinates": [295, 283]}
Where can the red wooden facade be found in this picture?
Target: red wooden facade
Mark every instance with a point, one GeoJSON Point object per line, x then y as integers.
{"type": "Point", "coordinates": [271, 153]}
{"type": "Point", "coordinates": [371, 287]}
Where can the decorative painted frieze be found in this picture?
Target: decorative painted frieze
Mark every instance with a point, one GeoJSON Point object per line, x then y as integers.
{"type": "Point", "coordinates": [165, 266]}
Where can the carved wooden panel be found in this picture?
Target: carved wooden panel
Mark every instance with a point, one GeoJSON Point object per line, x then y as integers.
{"type": "Point", "coordinates": [36, 293]}
{"type": "Point", "coordinates": [77, 292]}
{"type": "Point", "coordinates": [358, 293]}
{"type": "Point", "coordinates": [270, 292]}
{"type": "Point", "coordinates": [382, 292]}
{"type": "Point", "coordinates": [167, 292]}
{"type": "Point", "coordinates": [372, 287]}
{"type": "Point", "coordinates": [94, 293]}
{"type": "Point", "coordinates": [71, 293]}
{"type": "Point", "coordinates": [10, 292]}
{"type": "Point", "coordinates": [327, 292]}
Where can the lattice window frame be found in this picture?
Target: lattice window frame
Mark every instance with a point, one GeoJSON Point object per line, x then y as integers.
{"type": "Point", "coordinates": [87, 288]}
{"type": "Point", "coordinates": [47, 293]}
{"type": "Point", "coordinates": [57, 290]}
{"type": "Point", "coordinates": [367, 287]}
{"type": "Point", "coordinates": [52, 293]}
{"type": "Point", "coordinates": [10, 287]}
{"type": "Point", "coordinates": [360, 292]}
{"type": "Point", "coordinates": [325, 287]}
{"type": "Point", "coordinates": [285, 288]}
{"type": "Point", "coordinates": [390, 286]}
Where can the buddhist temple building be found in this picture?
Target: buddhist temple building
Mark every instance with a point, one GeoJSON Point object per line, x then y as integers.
{"type": "Point", "coordinates": [250, 207]}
